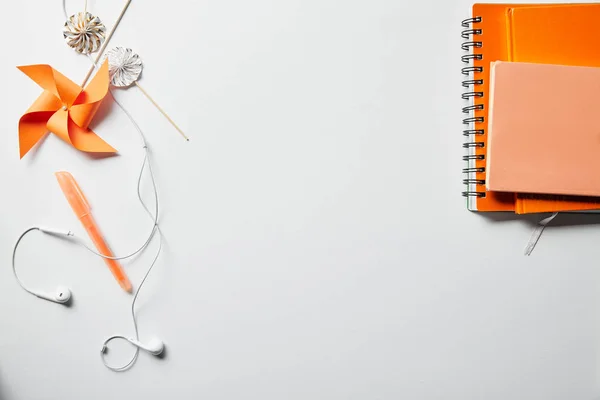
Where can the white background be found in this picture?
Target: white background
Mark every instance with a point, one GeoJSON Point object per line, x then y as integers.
{"type": "Point", "coordinates": [317, 246]}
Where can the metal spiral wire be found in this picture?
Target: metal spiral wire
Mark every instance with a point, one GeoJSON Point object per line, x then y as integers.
{"type": "Point", "coordinates": [470, 45]}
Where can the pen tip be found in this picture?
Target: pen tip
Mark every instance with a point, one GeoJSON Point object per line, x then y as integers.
{"type": "Point", "coordinates": [127, 287]}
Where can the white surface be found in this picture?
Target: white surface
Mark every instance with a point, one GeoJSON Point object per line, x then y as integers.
{"type": "Point", "coordinates": [317, 244]}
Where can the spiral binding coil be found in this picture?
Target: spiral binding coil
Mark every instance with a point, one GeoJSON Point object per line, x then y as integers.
{"type": "Point", "coordinates": [470, 45]}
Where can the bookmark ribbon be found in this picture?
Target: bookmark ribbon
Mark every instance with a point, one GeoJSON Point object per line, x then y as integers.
{"type": "Point", "coordinates": [65, 109]}
{"type": "Point", "coordinates": [537, 233]}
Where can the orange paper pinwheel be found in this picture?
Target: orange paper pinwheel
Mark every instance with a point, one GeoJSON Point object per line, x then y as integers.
{"type": "Point", "coordinates": [65, 109]}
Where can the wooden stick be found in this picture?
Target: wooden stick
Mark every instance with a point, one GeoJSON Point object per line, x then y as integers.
{"type": "Point", "coordinates": [162, 111]}
{"type": "Point", "coordinates": [108, 37]}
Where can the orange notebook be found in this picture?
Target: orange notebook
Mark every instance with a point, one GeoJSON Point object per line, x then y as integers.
{"type": "Point", "coordinates": [496, 32]}
{"type": "Point", "coordinates": [544, 130]}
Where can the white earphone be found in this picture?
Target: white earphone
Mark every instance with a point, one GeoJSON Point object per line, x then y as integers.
{"type": "Point", "coordinates": [61, 296]}
{"type": "Point", "coordinates": [154, 346]}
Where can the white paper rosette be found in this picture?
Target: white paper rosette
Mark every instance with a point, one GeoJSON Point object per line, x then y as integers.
{"type": "Point", "coordinates": [84, 33]}
{"type": "Point", "coordinates": [124, 66]}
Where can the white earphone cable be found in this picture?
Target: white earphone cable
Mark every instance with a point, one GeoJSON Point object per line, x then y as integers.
{"type": "Point", "coordinates": [14, 255]}
{"type": "Point", "coordinates": [155, 228]}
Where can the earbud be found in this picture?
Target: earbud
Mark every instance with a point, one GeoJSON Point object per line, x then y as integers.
{"type": "Point", "coordinates": [154, 346]}
{"type": "Point", "coordinates": [61, 296]}
{"type": "Point", "coordinates": [55, 232]}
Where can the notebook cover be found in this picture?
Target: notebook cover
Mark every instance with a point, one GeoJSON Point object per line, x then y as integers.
{"type": "Point", "coordinates": [545, 34]}
{"type": "Point", "coordinates": [494, 39]}
{"type": "Point", "coordinates": [544, 130]}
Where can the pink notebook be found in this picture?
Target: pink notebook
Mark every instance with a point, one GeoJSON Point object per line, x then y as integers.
{"type": "Point", "coordinates": [544, 129]}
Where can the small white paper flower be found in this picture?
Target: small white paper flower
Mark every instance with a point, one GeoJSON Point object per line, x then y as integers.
{"type": "Point", "coordinates": [84, 33]}
{"type": "Point", "coordinates": [124, 66]}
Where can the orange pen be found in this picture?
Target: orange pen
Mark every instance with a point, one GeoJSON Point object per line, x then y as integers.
{"type": "Point", "coordinates": [81, 208]}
